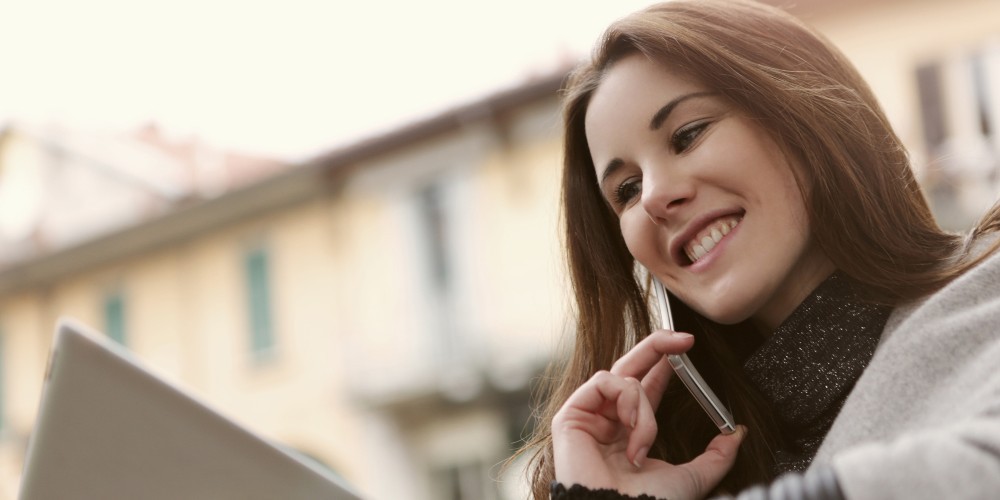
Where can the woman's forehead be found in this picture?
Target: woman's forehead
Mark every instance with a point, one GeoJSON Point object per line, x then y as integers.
{"type": "Point", "coordinates": [634, 83]}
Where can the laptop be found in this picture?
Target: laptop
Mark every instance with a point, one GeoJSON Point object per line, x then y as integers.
{"type": "Point", "coordinates": [107, 428]}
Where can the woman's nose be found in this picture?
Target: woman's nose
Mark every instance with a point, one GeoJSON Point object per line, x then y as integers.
{"type": "Point", "coordinates": [664, 195]}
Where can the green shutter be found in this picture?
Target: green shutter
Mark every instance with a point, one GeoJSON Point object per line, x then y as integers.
{"type": "Point", "coordinates": [114, 317]}
{"type": "Point", "coordinates": [259, 303]}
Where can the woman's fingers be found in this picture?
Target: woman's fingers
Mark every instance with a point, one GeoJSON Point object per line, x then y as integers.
{"type": "Point", "coordinates": [707, 469]}
{"type": "Point", "coordinates": [647, 361]}
{"type": "Point", "coordinates": [649, 351]}
{"type": "Point", "coordinates": [609, 396]}
{"type": "Point", "coordinates": [644, 431]}
{"type": "Point", "coordinates": [627, 405]}
{"type": "Point", "coordinates": [604, 407]}
{"type": "Point", "coordinates": [596, 392]}
{"type": "Point", "coordinates": [656, 379]}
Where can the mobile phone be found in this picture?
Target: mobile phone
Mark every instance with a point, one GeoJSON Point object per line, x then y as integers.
{"type": "Point", "coordinates": [688, 374]}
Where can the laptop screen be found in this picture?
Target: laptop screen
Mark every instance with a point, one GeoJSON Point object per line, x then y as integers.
{"type": "Point", "coordinates": [108, 428]}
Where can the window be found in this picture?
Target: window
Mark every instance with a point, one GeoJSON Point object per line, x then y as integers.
{"type": "Point", "coordinates": [435, 220]}
{"type": "Point", "coordinates": [960, 113]}
{"type": "Point", "coordinates": [114, 316]}
{"type": "Point", "coordinates": [433, 217]}
{"type": "Point", "coordinates": [929, 88]}
{"type": "Point", "coordinates": [982, 91]}
{"type": "Point", "coordinates": [256, 264]}
{"type": "Point", "coordinates": [958, 100]}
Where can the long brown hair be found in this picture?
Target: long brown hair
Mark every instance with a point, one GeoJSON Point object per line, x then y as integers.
{"type": "Point", "coordinates": [866, 211]}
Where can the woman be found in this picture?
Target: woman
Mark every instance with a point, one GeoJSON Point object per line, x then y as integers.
{"type": "Point", "coordinates": [739, 158]}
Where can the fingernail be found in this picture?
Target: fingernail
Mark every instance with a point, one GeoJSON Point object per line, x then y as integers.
{"type": "Point", "coordinates": [640, 457]}
{"type": "Point", "coordinates": [680, 335]}
{"type": "Point", "coordinates": [632, 421]}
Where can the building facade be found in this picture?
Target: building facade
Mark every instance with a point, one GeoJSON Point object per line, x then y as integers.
{"type": "Point", "coordinates": [380, 309]}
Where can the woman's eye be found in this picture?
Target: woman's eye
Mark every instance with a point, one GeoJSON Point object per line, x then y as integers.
{"type": "Point", "coordinates": [686, 135]}
{"type": "Point", "coordinates": [627, 191]}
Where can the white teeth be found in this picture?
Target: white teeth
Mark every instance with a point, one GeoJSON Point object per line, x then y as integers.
{"type": "Point", "coordinates": [699, 248]}
{"type": "Point", "coordinates": [708, 243]}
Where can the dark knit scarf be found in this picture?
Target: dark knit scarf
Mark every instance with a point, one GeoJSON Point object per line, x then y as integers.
{"type": "Point", "coordinates": [809, 365]}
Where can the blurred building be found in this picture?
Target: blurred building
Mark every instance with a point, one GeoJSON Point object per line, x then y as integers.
{"type": "Point", "coordinates": [385, 307]}
{"type": "Point", "coordinates": [935, 66]}
{"type": "Point", "coordinates": [380, 309]}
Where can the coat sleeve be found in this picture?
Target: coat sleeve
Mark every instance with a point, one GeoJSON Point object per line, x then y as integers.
{"type": "Point", "coordinates": [925, 422]}
{"type": "Point", "coordinates": [961, 461]}
{"type": "Point", "coordinates": [935, 398]}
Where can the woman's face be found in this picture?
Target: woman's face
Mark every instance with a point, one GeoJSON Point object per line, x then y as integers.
{"type": "Point", "coordinates": [706, 199]}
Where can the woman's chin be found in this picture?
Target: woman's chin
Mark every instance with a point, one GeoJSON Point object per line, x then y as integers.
{"type": "Point", "coordinates": [725, 316]}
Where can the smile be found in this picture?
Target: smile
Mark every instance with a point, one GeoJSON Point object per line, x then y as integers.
{"type": "Point", "coordinates": [707, 238]}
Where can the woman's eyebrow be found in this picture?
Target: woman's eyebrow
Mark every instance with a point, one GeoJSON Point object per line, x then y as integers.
{"type": "Point", "coordinates": [613, 165]}
{"type": "Point", "coordinates": [664, 112]}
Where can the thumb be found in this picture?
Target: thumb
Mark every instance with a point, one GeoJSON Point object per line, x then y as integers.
{"type": "Point", "coordinates": [709, 468]}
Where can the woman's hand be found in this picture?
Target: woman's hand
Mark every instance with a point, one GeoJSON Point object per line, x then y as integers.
{"type": "Point", "coordinates": [602, 434]}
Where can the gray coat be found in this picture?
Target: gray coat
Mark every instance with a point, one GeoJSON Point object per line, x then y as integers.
{"type": "Point", "coordinates": [923, 420]}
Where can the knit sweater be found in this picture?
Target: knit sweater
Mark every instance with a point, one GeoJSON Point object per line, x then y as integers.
{"type": "Point", "coordinates": [809, 364]}
{"type": "Point", "coordinates": [923, 420]}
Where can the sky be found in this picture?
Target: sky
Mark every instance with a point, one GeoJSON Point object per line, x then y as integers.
{"type": "Point", "coordinates": [284, 78]}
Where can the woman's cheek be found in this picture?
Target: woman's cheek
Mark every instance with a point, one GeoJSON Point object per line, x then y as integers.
{"type": "Point", "coordinates": [640, 236]}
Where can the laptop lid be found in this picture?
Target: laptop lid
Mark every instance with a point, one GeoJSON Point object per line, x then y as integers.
{"type": "Point", "coordinates": [108, 428]}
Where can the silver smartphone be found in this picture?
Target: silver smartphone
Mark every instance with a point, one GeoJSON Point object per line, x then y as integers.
{"type": "Point", "coordinates": [688, 374]}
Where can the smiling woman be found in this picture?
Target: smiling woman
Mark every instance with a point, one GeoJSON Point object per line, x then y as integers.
{"type": "Point", "coordinates": [726, 150]}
